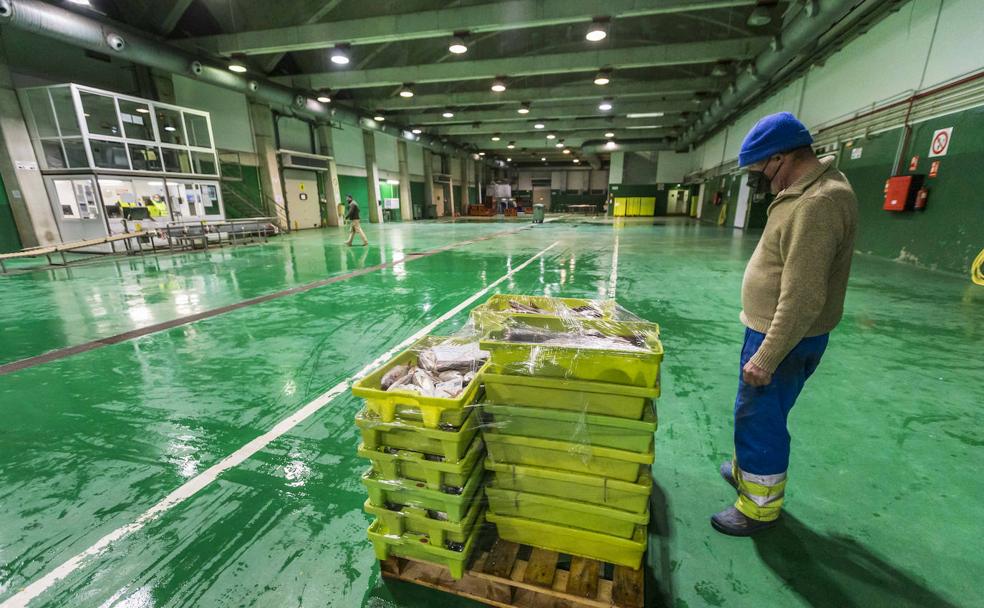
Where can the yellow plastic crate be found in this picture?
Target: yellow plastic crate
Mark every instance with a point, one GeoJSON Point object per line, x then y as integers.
{"type": "Point", "coordinates": [441, 533]}
{"type": "Point", "coordinates": [630, 368]}
{"type": "Point", "coordinates": [575, 457]}
{"type": "Point", "coordinates": [632, 496]}
{"type": "Point", "coordinates": [433, 411]}
{"type": "Point", "coordinates": [600, 398]}
{"type": "Point", "coordinates": [452, 445]}
{"type": "Point", "coordinates": [577, 427]}
{"type": "Point", "coordinates": [602, 547]}
{"type": "Point", "coordinates": [419, 547]}
{"type": "Point", "coordinates": [392, 493]}
{"type": "Point", "coordinates": [565, 512]}
{"type": "Point", "coordinates": [404, 464]}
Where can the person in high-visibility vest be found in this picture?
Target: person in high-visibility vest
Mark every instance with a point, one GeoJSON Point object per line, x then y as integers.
{"type": "Point", "coordinates": [792, 297]}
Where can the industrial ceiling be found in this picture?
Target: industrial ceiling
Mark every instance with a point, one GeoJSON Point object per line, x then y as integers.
{"type": "Point", "coordinates": [517, 79]}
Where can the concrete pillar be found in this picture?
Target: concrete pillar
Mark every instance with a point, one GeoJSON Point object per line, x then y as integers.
{"type": "Point", "coordinates": [465, 162]}
{"type": "Point", "coordinates": [428, 182]}
{"type": "Point", "coordinates": [21, 174]}
{"type": "Point", "coordinates": [271, 183]}
{"type": "Point", "coordinates": [372, 177]}
{"type": "Point", "coordinates": [616, 169]}
{"type": "Point", "coordinates": [447, 165]}
{"type": "Point", "coordinates": [326, 148]}
{"type": "Point", "coordinates": [406, 205]}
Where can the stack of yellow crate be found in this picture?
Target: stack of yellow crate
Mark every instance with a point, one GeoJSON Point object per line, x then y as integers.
{"type": "Point", "coordinates": [568, 419]}
{"type": "Point", "coordinates": [425, 482]}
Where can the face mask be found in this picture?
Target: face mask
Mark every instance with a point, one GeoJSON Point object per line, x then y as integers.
{"type": "Point", "coordinates": [757, 182]}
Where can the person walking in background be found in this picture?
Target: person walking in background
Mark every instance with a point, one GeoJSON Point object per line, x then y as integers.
{"type": "Point", "coordinates": [792, 296]}
{"type": "Point", "coordinates": [355, 226]}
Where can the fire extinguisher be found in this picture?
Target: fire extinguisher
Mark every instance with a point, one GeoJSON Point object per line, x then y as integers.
{"type": "Point", "coordinates": [718, 198]}
{"type": "Point", "coordinates": [922, 196]}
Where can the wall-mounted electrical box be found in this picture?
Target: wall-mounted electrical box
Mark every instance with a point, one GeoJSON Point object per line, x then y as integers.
{"type": "Point", "coordinates": [900, 192]}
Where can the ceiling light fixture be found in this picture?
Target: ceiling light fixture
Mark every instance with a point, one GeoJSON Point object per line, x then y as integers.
{"type": "Point", "coordinates": [379, 118]}
{"type": "Point", "coordinates": [143, 110]}
{"type": "Point", "coordinates": [339, 54]}
{"type": "Point", "coordinates": [496, 137]}
{"type": "Point", "coordinates": [406, 91]}
{"type": "Point", "coordinates": [644, 115]}
{"type": "Point", "coordinates": [603, 77]}
{"type": "Point", "coordinates": [324, 96]}
{"type": "Point", "coordinates": [511, 145]}
{"type": "Point", "coordinates": [416, 131]}
{"type": "Point", "coordinates": [508, 160]}
{"type": "Point", "coordinates": [643, 127]}
{"type": "Point", "coordinates": [539, 125]}
{"type": "Point", "coordinates": [238, 63]}
{"type": "Point", "coordinates": [524, 108]}
{"type": "Point", "coordinates": [609, 134]}
{"type": "Point", "coordinates": [559, 144]}
{"type": "Point", "coordinates": [605, 105]}
{"type": "Point", "coordinates": [448, 114]}
{"type": "Point", "coordinates": [577, 161]}
{"type": "Point", "coordinates": [598, 30]}
{"type": "Point", "coordinates": [499, 84]}
{"type": "Point", "coordinates": [170, 129]}
{"type": "Point", "coordinates": [567, 150]}
{"type": "Point", "coordinates": [543, 158]}
{"type": "Point", "coordinates": [458, 45]}
{"type": "Point", "coordinates": [551, 136]}
{"type": "Point", "coordinates": [481, 153]}
{"type": "Point", "coordinates": [610, 145]}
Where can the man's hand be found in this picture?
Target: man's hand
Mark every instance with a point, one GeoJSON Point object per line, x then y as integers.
{"type": "Point", "coordinates": [754, 375]}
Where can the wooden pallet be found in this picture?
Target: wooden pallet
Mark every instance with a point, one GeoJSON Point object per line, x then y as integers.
{"type": "Point", "coordinates": [509, 575]}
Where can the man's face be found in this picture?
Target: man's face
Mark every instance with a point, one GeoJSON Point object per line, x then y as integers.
{"type": "Point", "coordinates": [348, 198]}
{"type": "Point", "coordinates": [762, 175]}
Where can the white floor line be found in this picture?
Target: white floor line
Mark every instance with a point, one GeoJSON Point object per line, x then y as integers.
{"type": "Point", "coordinates": [613, 278]}
{"type": "Point", "coordinates": [193, 485]}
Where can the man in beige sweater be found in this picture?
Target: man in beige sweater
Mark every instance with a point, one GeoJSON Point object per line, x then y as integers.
{"type": "Point", "coordinates": [792, 297]}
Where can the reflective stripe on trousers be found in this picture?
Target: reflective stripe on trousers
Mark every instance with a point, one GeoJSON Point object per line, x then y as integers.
{"type": "Point", "coordinates": [761, 438]}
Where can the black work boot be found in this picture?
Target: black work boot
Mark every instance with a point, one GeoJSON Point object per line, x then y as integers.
{"type": "Point", "coordinates": [733, 522]}
{"type": "Point", "coordinates": [726, 473]}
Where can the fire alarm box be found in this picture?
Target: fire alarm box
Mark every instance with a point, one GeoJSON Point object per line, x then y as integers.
{"type": "Point", "coordinates": [900, 192]}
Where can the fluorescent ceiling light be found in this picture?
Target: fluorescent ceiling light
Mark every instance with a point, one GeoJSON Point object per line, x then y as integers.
{"type": "Point", "coordinates": [539, 125]}
{"type": "Point", "coordinates": [643, 127]}
{"type": "Point", "coordinates": [448, 114]}
{"type": "Point", "coordinates": [339, 56]}
{"type": "Point", "coordinates": [645, 115]}
{"type": "Point", "coordinates": [598, 30]}
{"type": "Point", "coordinates": [458, 45]}
{"type": "Point", "coordinates": [609, 134]}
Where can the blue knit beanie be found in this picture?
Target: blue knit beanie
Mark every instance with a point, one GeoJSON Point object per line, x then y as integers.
{"type": "Point", "coordinates": [773, 134]}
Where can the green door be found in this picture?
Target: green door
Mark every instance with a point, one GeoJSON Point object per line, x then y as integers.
{"type": "Point", "coordinates": [9, 240]}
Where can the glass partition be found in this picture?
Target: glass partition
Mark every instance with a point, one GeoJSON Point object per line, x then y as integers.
{"type": "Point", "coordinates": [117, 132]}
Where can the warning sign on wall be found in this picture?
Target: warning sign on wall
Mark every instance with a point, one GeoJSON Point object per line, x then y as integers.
{"type": "Point", "coordinates": [941, 142]}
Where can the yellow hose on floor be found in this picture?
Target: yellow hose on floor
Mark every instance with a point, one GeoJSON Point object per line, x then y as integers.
{"type": "Point", "coordinates": [977, 269]}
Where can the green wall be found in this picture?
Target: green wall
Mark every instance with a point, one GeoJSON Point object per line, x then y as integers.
{"type": "Point", "coordinates": [357, 187]}
{"type": "Point", "coordinates": [9, 240]}
{"type": "Point", "coordinates": [949, 233]}
{"type": "Point", "coordinates": [243, 196]}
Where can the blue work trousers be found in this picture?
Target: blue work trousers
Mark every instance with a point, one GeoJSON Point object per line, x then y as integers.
{"type": "Point", "coordinates": [761, 437]}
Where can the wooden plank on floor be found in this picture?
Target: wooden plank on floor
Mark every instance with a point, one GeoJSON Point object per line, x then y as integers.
{"type": "Point", "coordinates": [541, 567]}
{"type": "Point", "coordinates": [583, 579]}
{"type": "Point", "coordinates": [628, 587]}
{"type": "Point", "coordinates": [501, 558]}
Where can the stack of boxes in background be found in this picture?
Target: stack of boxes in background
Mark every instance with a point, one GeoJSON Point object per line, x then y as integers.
{"type": "Point", "coordinates": [422, 437]}
{"type": "Point", "coordinates": [568, 419]}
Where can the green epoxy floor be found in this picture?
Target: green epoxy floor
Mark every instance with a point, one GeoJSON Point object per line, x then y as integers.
{"type": "Point", "coordinates": [884, 495]}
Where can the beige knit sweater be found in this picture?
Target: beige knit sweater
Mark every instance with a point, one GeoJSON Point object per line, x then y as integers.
{"type": "Point", "coordinates": [795, 282]}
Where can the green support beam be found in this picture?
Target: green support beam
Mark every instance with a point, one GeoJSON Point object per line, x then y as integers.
{"type": "Point", "coordinates": [577, 110]}
{"type": "Point", "coordinates": [538, 96]}
{"type": "Point", "coordinates": [554, 126]}
{"type": "Point", "coordinates": [558, 63]}
{"type": "Point", "coordinates": [489, 17]}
